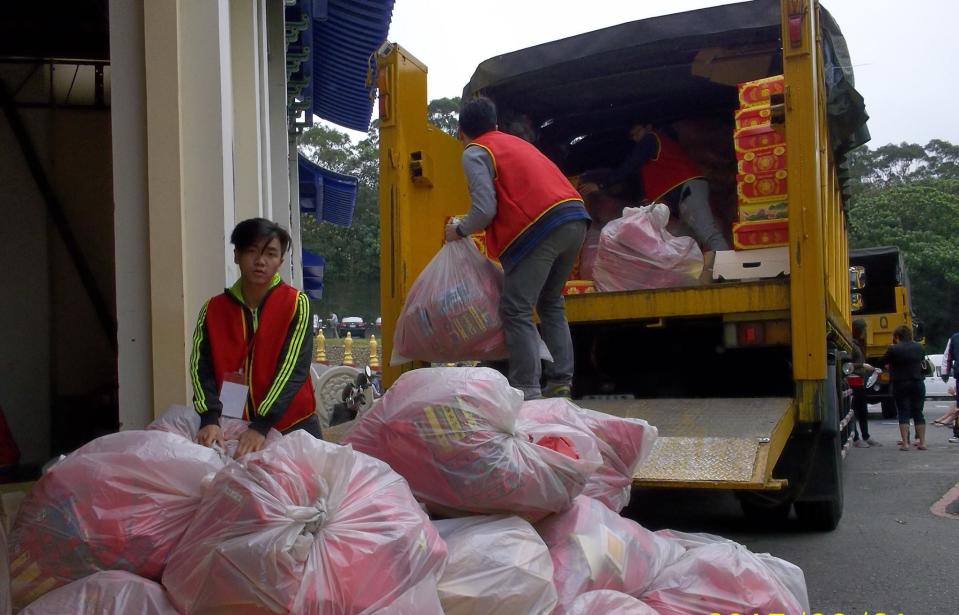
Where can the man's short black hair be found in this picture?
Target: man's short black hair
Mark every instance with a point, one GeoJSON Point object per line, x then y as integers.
{"type": "Point", "coordinates": [252, 231]}
{"type": "Point", "coordinates": [477, 115]}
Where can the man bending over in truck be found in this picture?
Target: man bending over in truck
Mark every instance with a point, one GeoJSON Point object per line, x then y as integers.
{"type": "Point", "coordinates": [252, 346]}
{"type": "Point", "coordinates": [668, 176]}
{"type": "Point", "coordinates": [535, 223]}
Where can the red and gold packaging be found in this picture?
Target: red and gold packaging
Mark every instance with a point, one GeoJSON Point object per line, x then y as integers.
{"type": "Point", "coordinates": [761, 187]}
{"type": "Point", "coordinates": [758, 212]}
{"type": "Point", "coordinates": [766, 234]}
{"type": "Point", "coordinates": [759, 92]}
{"type": "Point", "coordinates": [763, 160]}
{"type": "Point", "coordinates": [759, 115]}
{"type": "Point", "coordinates": [579, 287]}
{"type": "Point", "coordinates": [757, 137]}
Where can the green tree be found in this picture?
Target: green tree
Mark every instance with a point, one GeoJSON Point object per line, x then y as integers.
{"type": "Point", "coordinates": [444, 114]}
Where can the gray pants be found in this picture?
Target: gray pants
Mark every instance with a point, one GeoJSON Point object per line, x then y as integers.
{"type": "Point", "coordinates": [538, 279]}
{"type": "Point", "coordinates": [696, 217]}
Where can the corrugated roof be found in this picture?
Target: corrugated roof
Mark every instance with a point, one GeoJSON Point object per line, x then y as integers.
{"type": "Point", "coordinates": [344, 65]}
{"type": "Point", "coordinates": [329, 195]}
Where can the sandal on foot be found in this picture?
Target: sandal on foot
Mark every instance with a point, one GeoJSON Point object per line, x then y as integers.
{"type": "Point", "coordinates": [903, 447]}
{"type": "Point", "coordinates": [920, 447]}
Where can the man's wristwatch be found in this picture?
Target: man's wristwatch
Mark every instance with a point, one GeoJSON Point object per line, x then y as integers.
{"type": "Point", "coordinates": [459, 231]}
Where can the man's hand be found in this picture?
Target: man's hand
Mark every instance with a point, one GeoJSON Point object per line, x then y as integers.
{"type": "Point", "coordinates": [250, 442]}
{"type": "Point", "coordinates": [451, 234]}
{"type": "Point", "coordinates": [210, 435]}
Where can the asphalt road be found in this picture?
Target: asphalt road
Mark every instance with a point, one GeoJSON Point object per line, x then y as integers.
{"type": "Point", "coordinates": [890, 554]}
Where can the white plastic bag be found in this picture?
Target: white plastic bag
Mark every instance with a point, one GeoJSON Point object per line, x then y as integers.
{"type": "Point", "coordinates": [623, 444]}
{"type": "Point", "coordinates": [304, 527]}
{"type": "Point", "coordinates": [716, 574]}
{"type": "Point", "coordinates": [497, 566]}
{"type": "Point", "coordinates": [608, 602]}
{"type": "Point", "coordinates": [636, 251]}
{"type": "Point", "coordinates": [112, 592]}
{"type": "Point", "coordinates": [453, 433]}
{"type": "Point", "coordinates": [121, 502]}
{"type": "Point", "coordinates": [452, 310]}
{"type": "Point", "coordinates": [184, 421]}
{"type": "Point", "coordinates": [593, 547]}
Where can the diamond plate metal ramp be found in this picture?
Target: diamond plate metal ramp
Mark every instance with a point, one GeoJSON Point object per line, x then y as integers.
{"type": "Point", "coordinates": [718, 443]}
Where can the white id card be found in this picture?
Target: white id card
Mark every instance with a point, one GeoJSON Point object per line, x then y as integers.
{"type": "Point", "coordinates": [233, 395]}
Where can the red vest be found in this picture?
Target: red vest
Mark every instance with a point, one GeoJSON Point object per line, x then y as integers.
{"type": "Point", "coordinates": [258, 357]}
{"type": "Point", "coordinates": [527, 183]}
{"type": "Point", "coordinates": [668, 169]}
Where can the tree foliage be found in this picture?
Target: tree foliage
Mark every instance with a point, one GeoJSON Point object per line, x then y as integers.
{"type": "Point", "coordinates": [908, 196]}
{"type": "Point", "coordinates": [444, 114]}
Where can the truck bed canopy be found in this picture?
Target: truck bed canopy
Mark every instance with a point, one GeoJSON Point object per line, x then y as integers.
{"type": "Point", "coordinates": [658, 70]}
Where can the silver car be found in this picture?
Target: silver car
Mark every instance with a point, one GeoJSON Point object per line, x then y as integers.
{"type": "Point", "coordinates": [935, 387]}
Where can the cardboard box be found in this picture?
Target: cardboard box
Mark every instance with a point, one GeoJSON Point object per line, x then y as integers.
{"type": "Point", "coordinates": [751, 264]}
{"type": "Point", "coordinates": [757, 212]}
{"type": "Point", "coordinates": [763, 160]}
{"type": "Point", "coordinates": [765, 234]}
{"type": "Point", "coordinates": [761, 187]}
{"type": "Point", "coordinates": [760, 91]}
{"type": "Point", "coordinates": [758, 137]}
{"type": "Point", "coordinates": [760, 115]}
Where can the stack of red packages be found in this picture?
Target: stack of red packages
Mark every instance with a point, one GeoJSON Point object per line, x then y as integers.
{"type": "Point", "coordinates": [761, 182]}
{"type": "Point", "coordinates": [453, 434]}
{"type": "Point", "coordinates": [185, 422]}
{"type": "Point", "coordinates": [121, 502]}
{"type": "Point", "coordinates": [111, 592]}
{"type": "Point", "coordinates": [623, 444]}
{"type": "Point", "coordinates": [306, 527]}
{"type": "Point", "coordinates": [452, 310]}
{"type": "Point", "coordinates": [593, 548]}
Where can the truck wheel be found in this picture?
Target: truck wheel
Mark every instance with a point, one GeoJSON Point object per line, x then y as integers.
{"type": "Point", "coordinates": [889, 408]}
{"type": "Point", "coordinates": [762, 513]}
{"type": "Point", "coordinates": [820, 516]}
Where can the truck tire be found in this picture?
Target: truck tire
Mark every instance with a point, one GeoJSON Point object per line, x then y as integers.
{"type": "Point", "coordinates": [763, 513]}
{"type": "Point", "coordinates": [889, 410]}
{"type": "Point", "coordinates": [820, 516]}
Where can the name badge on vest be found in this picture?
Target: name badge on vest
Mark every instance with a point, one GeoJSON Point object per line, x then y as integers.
{"type": "Point", "coordinates": [233, 394]}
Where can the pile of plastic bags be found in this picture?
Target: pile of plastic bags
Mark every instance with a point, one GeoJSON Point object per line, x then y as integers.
{"type": "Point", "coordinates": [456, 435]}
{"type": "Point", "coordinates": [112, 592]}
{"type": "Point", "coordinates": [185, 422]}
{"type": "Point", "coordinates": [452, 310]}
{"type": "Point", "coordinates": [637, 252]}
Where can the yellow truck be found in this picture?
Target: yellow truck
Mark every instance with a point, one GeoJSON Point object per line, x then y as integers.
{"type": "Point", "coordinates": [743, 378]}
{"type": "Point", "coordinates": [881, 297]}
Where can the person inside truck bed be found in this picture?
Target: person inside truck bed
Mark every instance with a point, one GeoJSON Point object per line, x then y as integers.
{"type": "Point", "coordinates": [252, 346]}
{"type": "Point", "coordinates": [904, 359]}
{"type": "Point", "coordinates": [535, 224]}
{"type": "Point", "coordinates": [667, 175]}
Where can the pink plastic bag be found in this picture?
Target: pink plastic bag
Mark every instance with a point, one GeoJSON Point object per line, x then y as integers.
{"type": "Point", "coordinates": [717, 574]}
{"type": "Point", "coordinates": [452, 310]}
{"type": "Point", "coordinates": [623, 444]}
{"type": "Point", "coordinates": [636, 251]}
{"type": "Point", "coordinates": [112, 592]}
{"type": "Point", "coordinates": [184, 421]}
{"type": "Point", "coordinates": [304, 527]}
{"type": "Point", "coordinates": [497, 566]}
{"type": "Point", "coordinates": [453, 433]}
{"type": "Point", "coordinates": [608, 602]}
{"type": "Point", "coordinates": [593, 547]}
{"type": "Point", "coordinates": [121, 502]}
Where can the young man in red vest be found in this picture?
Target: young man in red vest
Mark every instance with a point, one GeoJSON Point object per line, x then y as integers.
{"type": "Point", "coordinates": [253, 346]}
{"type": "Point", "coordinates": [668, 176]}
{"type": "Point", "coordinates": [535, 224]}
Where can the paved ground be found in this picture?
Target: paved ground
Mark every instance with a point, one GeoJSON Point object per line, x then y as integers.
{"type": "Point", "coordinates": [891, 554]}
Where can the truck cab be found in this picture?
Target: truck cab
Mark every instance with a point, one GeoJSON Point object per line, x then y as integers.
{"type": "Point", "coordinates": [741, 374]}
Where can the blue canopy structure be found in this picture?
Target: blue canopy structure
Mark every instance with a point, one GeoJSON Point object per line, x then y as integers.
{"type": "Point", "coordinates": [330, 196]}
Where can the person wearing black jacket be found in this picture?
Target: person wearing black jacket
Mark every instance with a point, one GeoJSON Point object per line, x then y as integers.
{"type": "Point", "coordinates": [904, 360]}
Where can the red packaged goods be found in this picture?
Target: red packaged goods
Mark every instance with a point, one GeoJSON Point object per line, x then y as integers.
{"type": "Point", "coordinates": [608, 602]}
{"type": "Point", "coordinates": [184, 421]}
{"type": "Point", "coordinates": [760, 115]}
{"type": "Point", "coordinates": [725, 577]}
{"type": "Point", "coordinates": [756, 137]}
{"type": "Point", "coordinates": [121, 502]}
{"type": "Point", "coordinates": [636, 251]}
{"type": "Point", "coordinates": [112, 592]}
{"type": "Point", "coordinates": [452, 310]}
{"type": "Point", "coordinates": [623, 444]}
{"type": "Point", "coordinates": [453, 434]}
{"type": "Point", "coordinates": [760, 91]}
{"type": "Point", "coordinates": [593, 548]}
{"type": "Point", "coordinates": [762, 160]}
{"type": "Point", "coordinates": [303, 527]}
{"type": "Point", "coordinates": [761, 187]}
{"type": "Point", "coordinates": [764, 234]}
{"type": "Point", "coordinates": [497, 566]}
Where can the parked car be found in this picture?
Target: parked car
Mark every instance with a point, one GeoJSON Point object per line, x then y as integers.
{"type": "Point", "coordinates": [354, 325]}
{"type": "Point", "coordinates": [935, 387]}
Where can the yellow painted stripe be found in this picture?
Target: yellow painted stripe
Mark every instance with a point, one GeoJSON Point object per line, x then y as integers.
{"type": "Point", "coordinates": [289, 362]}
{"type": "Point", "coordinates": [200, 401]}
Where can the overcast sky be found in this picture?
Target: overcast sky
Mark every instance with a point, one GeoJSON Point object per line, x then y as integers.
{"type": "Point", "coordinates": [904, 53]}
